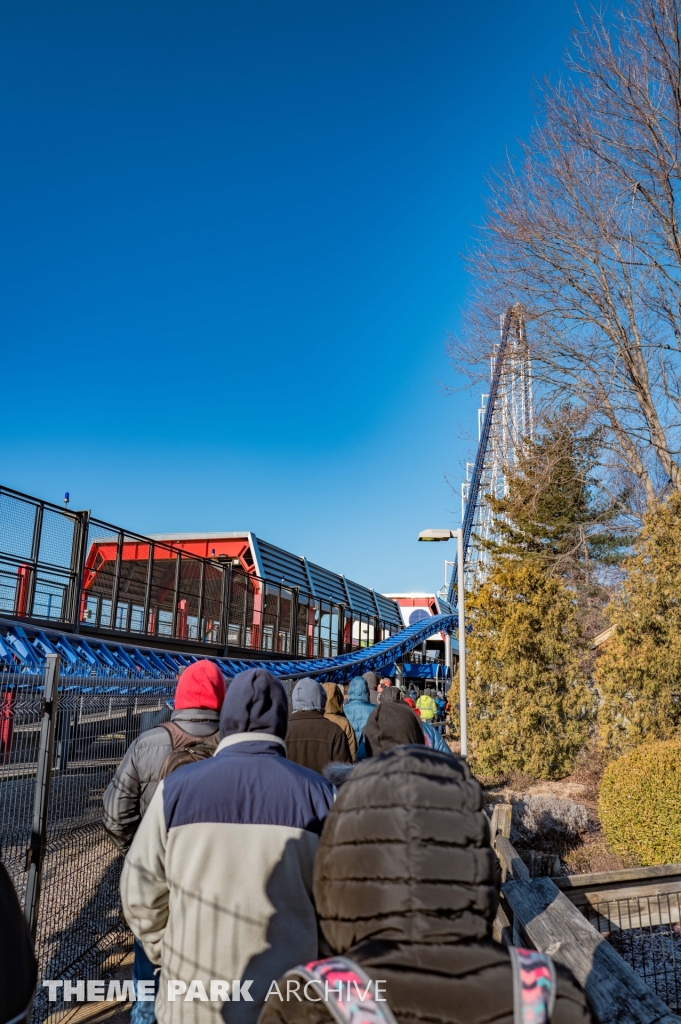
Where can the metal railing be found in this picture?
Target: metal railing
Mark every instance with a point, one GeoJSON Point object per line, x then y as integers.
{"type": "Point", "coordinates": [59, 749]}
{"type": "Point", "coordinates": [65, 568]}
{"type": "Point", "coordinates": [629, 979]}
{"type": "Point", "coordinates": [646, 932]}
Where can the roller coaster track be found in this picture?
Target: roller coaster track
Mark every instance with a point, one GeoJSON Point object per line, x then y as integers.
{"type": "Point", "coordinates": [83, 658]}
{"type": "Point", "coordinates": [23, 647]}
{"type": "Point", "coordinates": [511, 358]}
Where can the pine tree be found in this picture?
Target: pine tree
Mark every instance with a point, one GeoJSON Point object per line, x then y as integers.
{"type": "Point", "coordinates": [554, 513]}
{"type": "Point", "coordinates": [639, 673]}
{"type": "Point", "coordinates": [530, 707]}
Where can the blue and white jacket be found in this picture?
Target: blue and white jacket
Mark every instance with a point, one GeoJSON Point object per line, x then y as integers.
{"type": "Point", "coordinates": [218, 881]}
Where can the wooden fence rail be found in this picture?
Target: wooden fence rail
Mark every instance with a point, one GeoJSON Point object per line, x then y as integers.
{"type": "Point", "coordinates": [535, 910]}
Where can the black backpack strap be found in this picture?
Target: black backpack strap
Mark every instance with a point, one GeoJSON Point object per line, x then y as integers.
{"type": "Point", "coordinates": [534, 986]}
{"type": "Point", "coordinates": [347, 990]}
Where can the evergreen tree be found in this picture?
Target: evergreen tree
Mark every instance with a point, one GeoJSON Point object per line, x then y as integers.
{"type": "Point", "coordinates": [530, 707]}
{"type": "Point", "coordinates": [554, 513]}
{"type": "Point", "coordinates": [639, 673]}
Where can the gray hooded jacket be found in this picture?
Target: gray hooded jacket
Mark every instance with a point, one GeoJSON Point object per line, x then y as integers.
{"type": "Point", "coordinates": [130, 791]}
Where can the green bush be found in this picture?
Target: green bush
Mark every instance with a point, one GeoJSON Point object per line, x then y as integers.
{"type": "Point", "coordinates": [530, 709]}
{"type": "Point", "coordinates": [639, 804]}
{"type": "Point", "coordinates": [638, 675]}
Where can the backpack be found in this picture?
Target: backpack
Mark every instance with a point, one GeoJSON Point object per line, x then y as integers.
{"type": "Point", "coordinates": [186, 748]}
{"type": "Point", "coordinates": [345, 986]}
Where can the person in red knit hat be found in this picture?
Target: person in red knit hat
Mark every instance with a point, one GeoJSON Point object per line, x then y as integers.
{"type": "Point", "coordinates": [199, 697]}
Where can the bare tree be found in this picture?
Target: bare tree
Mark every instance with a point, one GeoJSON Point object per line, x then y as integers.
{"type": "Point", "coordinates": [584, 230]}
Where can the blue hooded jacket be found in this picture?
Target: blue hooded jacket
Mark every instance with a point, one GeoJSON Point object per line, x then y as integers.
{"type": "Point", "coordinates": [434, 738]}
{"type": "Point", "coordinates": [358, 706]}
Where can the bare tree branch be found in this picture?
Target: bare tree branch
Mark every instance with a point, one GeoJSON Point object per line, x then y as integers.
{"type": "Point", "coordinates": [585, 232]}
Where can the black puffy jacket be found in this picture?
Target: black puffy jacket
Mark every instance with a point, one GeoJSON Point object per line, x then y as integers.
{"type": "Point", "coordinates": [130, 791]}
{"type": "Point", "coordinates": [406, 884]}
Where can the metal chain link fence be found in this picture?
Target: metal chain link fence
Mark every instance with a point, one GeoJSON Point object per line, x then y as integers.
{"type": "Point", "coordinates": [80, 931]}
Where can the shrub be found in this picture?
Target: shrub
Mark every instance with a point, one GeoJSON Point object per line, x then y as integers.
{"type": "Point", "coordinates": [547, 820]}
{"type": "Point", "coordinates": [530, 709]}
{"type": "Point", "coordinates": [639, 804]}
{"type": "Point", "coordinates": [639, 673]}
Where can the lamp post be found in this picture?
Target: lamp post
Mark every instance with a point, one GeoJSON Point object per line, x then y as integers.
{"type": "Point", "coordinates": [441, 535]}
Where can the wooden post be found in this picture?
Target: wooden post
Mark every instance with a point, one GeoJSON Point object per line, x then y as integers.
{"type": "Point", "coordinates": [501, 826]}
{"type": "Point", "coordinates": [501, 821]}
{"type": "Point", "coordinates": [617, 995]}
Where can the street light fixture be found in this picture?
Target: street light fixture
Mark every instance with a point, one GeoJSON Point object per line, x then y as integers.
{"type": "Point", "coordinates": [440, 535]}
{"type": "Point", "coordinates": [437, 534]}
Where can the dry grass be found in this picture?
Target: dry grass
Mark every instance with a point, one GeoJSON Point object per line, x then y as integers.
{"type": "Point", "coordinates": [584, 851]}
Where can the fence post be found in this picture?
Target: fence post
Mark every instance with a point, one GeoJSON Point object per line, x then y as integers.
{"type": "Point", "coordinates": [78, 559]}
{"type": "Point", "coordinates": [36, 851]}
{"type": "Point", "coordinates": [227, 569]}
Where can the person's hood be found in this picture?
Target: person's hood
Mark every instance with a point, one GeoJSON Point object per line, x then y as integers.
{"type": "Point", "coordinates": [358, 689]}
{"type": "Point", "coordinates": [334, 699]}
{"type": "Point", "coordinates": [432, 876]}
{"type": "Point", "coordinates": [391, 725]}
{"type": "Point", "coordinates": [255, 702]}
{"type": "Point", "coordinates": [201, 685]}
{"type": "Point", "coordinates": [308, 695]}
{"type": "Point", "coordinates": [371, 680]}
{"type": "Point", "coordinates": [390, 693]}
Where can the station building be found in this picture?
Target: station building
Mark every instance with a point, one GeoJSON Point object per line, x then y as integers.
{"type": "Point", "coordinates": [233, 588]}
{"type": "Point", "coordinates": [428, 662]}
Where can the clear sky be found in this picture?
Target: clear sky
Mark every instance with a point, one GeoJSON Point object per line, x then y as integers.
{"type": "Point", "coordinates": [230, 238]}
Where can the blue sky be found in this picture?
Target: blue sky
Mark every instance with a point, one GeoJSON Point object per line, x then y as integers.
{"type": "Point", "coordinates": [230, 238]}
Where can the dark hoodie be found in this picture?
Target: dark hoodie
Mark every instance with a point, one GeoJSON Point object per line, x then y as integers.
{"type": "Point", "coordinates": [18, 969]}
{"type": "Point", "coordinates": [333, 711]}
{"type": "Point", "coordinates": [313, 740]}
{"type": "Point", "coordinates": [406, 885]}
{"type": "Point", "coordinates": [390, 725]}
{"type": "Point", "coordinates": [217, 883]}
{"type": "Point", "coordinates": [256, 702]}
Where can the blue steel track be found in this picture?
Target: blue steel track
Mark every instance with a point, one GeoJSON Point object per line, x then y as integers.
{"type": "Point", "coordinates": [474, 490]}
{"type": "Point", "coordinates": [23, 648]}
{"type": "Point", "coordinates": [83, 657]}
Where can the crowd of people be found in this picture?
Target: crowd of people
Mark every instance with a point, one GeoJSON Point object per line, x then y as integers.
{"type": "Point", "coordinates": [336, 823]}
{"type": "Point", "coordinates": [267, 836]}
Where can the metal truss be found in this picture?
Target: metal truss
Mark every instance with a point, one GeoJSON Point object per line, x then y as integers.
{"type": "Point", "coordinates": [505, 419]}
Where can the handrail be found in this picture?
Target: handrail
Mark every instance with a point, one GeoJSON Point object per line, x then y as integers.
{"type": "Point", "coordinates": [545, 917]}
{"type": "Point", "coordinates": [511, 860]}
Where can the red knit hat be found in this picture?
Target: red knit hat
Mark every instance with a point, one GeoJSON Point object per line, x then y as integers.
{"type": "Point", "coordinates": [201, 685]}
